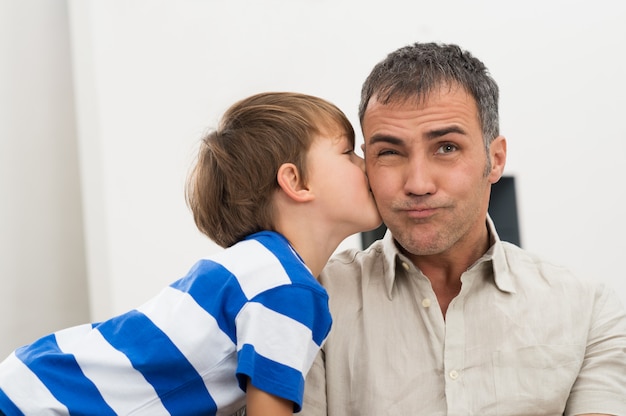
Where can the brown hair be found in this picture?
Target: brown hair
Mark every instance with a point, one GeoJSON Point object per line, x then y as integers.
{"type": "Point", "coordinates": [231, 186]}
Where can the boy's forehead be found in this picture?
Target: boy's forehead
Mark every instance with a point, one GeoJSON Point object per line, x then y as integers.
{"type": "Point", "coordinates": [336, 138]}
{"type": "Point", "coordinates": [334, 135]}
{"type": "Point", "coordinates": [333, 130]}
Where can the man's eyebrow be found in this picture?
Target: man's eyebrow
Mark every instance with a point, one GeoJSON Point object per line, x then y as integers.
{"type": "Point", "coordinates": [437, 133]}
{"type": "Point", "coordinates": [384, 138]}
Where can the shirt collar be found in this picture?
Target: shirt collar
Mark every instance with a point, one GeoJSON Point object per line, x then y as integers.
{"type": "Point", "coordinates": [395, 260]}
{"type": "Point", "coordinates": [497, 255]}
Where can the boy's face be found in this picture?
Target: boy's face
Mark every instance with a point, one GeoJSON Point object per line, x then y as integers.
{"type": "Point", "coordinates": [337, 177]}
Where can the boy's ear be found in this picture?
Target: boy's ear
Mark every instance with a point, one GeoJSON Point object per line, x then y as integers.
{"type": "Point", "coordinates": [290, 181]}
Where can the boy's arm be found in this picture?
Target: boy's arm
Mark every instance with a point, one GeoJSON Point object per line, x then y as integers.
{"type": "Point", "coordinates": [260, 403]}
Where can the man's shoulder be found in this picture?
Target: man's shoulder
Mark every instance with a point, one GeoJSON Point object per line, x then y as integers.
{"type": "Point", "coordinates": [528, 268]}
{"type": "Point", "coordinates": [354, 264]}
{"type": "Point", "coordinates": [356, 257]}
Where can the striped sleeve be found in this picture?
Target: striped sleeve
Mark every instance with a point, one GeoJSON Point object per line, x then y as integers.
{"type": "Point", "coordinates": [284, 319]}
{"type": "Point", "coordinates": [253, 310]}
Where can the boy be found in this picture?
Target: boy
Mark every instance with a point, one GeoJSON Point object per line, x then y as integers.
{"type": "Point", "coordinates": [279, 186]}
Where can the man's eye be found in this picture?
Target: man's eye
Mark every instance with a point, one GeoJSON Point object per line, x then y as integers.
{"type": "Point", "coordinates": [447, 148]}
{"type": "Point", "coordinates": [387, 152]}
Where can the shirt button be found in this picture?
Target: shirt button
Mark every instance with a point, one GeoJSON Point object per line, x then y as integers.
{"type": "Point", "coordinates": [426, 303]}
{"type": "Point", "coordinates": [405, 266]}
{"type": "Point", "coordinates": [454, 374]}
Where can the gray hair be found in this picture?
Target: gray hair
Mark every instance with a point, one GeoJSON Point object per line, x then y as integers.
{"type": "Point", "coordinates": [413, 72]}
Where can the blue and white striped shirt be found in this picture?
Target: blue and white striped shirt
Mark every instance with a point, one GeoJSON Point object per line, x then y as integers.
{"type": "Point", "coordinates": [253, 310]}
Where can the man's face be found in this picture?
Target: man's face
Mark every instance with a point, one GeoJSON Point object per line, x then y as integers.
{"type": "Point", "coordinates": [426, 166]}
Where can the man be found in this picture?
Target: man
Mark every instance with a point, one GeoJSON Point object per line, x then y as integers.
{"type": "Point", "coordinates": [440, 317]}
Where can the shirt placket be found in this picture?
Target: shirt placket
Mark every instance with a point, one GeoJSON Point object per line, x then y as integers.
{"type": "Point", "coordinates": [454, 353]}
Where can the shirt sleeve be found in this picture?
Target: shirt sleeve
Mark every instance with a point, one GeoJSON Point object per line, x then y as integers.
{"type": "Point", "coordinates": [601, 384]}
{"type": "Point", "coordinates": [279, 334]}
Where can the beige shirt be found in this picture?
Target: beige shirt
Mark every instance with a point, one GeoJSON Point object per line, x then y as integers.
{"type": "Point", "coordinates": [523, 337]}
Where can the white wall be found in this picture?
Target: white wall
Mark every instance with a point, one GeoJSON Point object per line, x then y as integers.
{"type": "Point", "coordinates": [151, 75]}
{"type": "Point", "coordinates": [42, 258]}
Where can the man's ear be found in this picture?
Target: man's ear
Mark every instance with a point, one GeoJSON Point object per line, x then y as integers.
{"type": "Point", "coordinates": [497, 153]}
{"type": "Point", "coordinates": [290, 181]}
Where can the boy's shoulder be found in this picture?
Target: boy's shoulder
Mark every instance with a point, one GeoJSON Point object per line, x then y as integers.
{"type": "Point", "coordinates": [263, 259]}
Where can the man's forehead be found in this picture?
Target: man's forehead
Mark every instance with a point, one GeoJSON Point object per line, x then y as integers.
{"type": "Point", "coordinates": [417, 96]}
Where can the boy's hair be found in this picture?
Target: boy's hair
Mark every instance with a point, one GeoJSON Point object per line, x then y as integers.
{"type": "Point", "coordinates": [230, 189]}
{"type": "Point", "coordinates": [413, 72]}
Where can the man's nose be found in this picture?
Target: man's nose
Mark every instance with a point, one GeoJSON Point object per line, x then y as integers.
{"type": "Point", "coordinates": [419, 177]}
